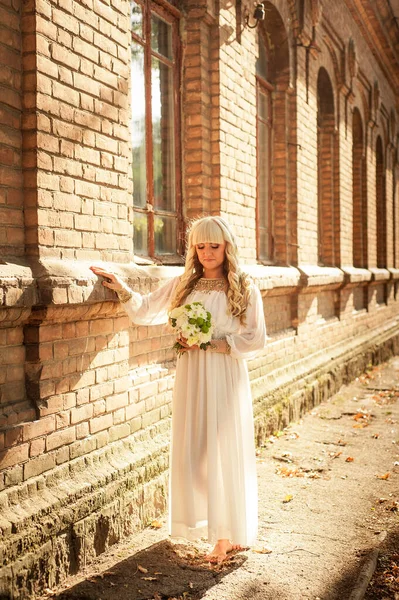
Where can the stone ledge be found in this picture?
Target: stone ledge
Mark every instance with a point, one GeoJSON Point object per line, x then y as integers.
{"type": "Point", "coordinates": [274, 280]}
{"type": "Point", "coordinates": [379, 275]}
{"type": "Point", "coordinates": [49, 284]}
{"type": "Point", "coordinates": [356, 275]}
{"type": "Point", "coordinates": [314, 278]}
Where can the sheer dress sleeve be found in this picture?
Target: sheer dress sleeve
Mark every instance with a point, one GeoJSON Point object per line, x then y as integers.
{"type": "Point", "coordinates": [151, 309]}
{"type": "Point", "coordinates": [252, 335]}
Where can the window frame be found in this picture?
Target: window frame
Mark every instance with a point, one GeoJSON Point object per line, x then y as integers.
{"type": "Point", "coordinates": [263, 86]}
{"type": "Point", "coordinates": [170, 15]}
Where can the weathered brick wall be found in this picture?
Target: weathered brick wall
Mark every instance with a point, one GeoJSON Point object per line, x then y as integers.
{"type": "Point", "coordinates": [85, 397]}
{"type": "Point", "coordinates": [11, 200]}
{"type": "Point", "coordinates": [76, 130]}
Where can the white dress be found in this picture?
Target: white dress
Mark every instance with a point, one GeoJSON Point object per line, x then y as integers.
{"type": "Point", "coordinates": [213, 486]}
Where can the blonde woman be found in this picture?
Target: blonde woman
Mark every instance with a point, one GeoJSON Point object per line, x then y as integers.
{"type": "Point", "coordinates": [213, 487]}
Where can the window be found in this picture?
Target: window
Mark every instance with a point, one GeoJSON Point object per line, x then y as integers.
{"type": "Point", "coordinates": [155, 131]}
{"type": "Point", "coordinates": [359, 193]}
{"type": "Point", "coordinates": [381, 207]}
{"type": "Point", "coordinates": [275, 224]}
{"type": "Point", "coordinates": [328, 205]}
{"type": "Point", "coordinates": [264, 134]}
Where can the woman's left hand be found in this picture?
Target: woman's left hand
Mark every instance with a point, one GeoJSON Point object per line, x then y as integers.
{"type": "Point", "coordinates": [183, 342]}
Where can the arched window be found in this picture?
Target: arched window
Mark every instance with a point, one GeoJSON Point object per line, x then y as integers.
{"type": "Point", "coordinates": [328, 205]}
{"type": "Point", "coordinates": [272, 77]}
{"type": "Point", "coordinates": [264, 150]}
{"type": "Point", "coordinates": [359, 193]}
{"type": "Point", "coordinates": [381, 206]}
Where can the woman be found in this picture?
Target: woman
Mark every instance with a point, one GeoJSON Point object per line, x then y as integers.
{"type": "Point", "coordinates": [213, 488]}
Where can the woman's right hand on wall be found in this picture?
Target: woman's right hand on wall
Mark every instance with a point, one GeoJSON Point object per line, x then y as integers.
{"type": "Point", "coordinates": [112, 281]}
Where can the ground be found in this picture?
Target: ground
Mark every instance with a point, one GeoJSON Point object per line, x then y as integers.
{"type": "Point", "coordinates": [328, 495]}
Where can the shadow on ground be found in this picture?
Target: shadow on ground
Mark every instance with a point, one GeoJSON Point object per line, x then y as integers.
{"type": "Point", "coordinates": [162, 571]}
{"type": "Point", "coordinates": [385, 581]}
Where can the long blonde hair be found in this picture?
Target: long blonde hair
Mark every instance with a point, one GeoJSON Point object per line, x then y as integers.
{"type": "Point", "coordinates": [214, 230]}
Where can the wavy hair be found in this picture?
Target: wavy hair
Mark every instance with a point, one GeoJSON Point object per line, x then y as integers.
{"type": "Point", "coordinates": [214, 230]}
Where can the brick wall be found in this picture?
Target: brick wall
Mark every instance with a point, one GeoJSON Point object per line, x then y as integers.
{"type": "Point", "coordinates": [76, 130]}
{"type": "Point", "coordinates": [11, 182]}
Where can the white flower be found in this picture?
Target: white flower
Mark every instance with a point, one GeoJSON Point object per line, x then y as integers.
{"type": "Point", "coordinates": [192, 332]}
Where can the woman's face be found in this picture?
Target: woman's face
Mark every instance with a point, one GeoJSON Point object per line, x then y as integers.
{"type": "Point", "coordinates": [211, 256]}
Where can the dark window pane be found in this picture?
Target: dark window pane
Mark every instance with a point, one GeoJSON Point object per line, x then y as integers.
{"type": "Point", "coordinates": [140, 234]}
{"type": "Point", "coordinates": [136, 19]}
{"type": "Point", "coordinates": [138, 127]}
{"type": "Point", "coordinates": [161, 36]}
{"type": "Point", "coordinates": [163, 136]}
{"type": "Point", "coordinates": [263, 106]}
{"type": "Point", "coordinates": [264, 182]}
{"type": "Point", "coordinates": [262, 68]}
{"type": "Point", "coordinates": [165, 235]}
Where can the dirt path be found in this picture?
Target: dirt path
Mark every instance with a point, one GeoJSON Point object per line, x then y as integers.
{"type": "Point", "coordinates": [328, 487]}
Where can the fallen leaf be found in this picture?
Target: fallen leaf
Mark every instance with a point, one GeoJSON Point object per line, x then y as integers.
{"type": "Point", "coordinates": [382, 500]}
{"type": "Point", "coordinates": [376, 436]}
{"type": "Point", "coordinates": [288, 498]}
{"type": "Point", "coordinates": [385, 476]}
{"type": "Point", "coordinates": [155, 524]}
{"type": "Point", "coordinates": [349, 459]}
{"type": "Point", "coordinates": [142, 569]}
{"type": "Point", "coordinates": [334, 454]}
{"type": "Point", "coordinates": [149, 578]}
{"type": "Point", "coordinates": [360, 416]}
{"type": "Point", "coordinates": [263, 549]}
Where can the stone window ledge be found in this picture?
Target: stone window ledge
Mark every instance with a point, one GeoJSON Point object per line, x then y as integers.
{"type": "Point", "coordinates": [59, 283]}
{"type": "Point", "coordinates": [356, 275]}
{"type": "Point", "coordinates": [316, 278]}
{"type": "Point", "coordinates": [379, 275]}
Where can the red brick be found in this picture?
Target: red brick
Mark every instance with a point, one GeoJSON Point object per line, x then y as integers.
{"type": "Point", "coordinates": [60, 438]}
{"type": "Point", "coordinates": [44, 426]}
{"type": "Point", "coordinates": [100, 423]}
{"type": "Point", "coordinates": [14, 456]}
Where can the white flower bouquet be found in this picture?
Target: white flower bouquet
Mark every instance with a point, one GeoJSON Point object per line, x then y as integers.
{"type": "Point", "coordinates": [194, 324]}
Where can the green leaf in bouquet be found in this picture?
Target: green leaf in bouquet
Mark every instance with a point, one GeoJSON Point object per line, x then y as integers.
{"type": "Point", "coordinates": [192, 321]}
{"type": "Point", "coordinates": [200, 321]}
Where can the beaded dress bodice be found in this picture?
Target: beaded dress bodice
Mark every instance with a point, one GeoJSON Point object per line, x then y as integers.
{"type": "Point", "coordinates": [207, 286]}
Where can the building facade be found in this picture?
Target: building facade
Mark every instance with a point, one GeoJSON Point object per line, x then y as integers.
{"type": "Point", "coordinates": [121, 121]}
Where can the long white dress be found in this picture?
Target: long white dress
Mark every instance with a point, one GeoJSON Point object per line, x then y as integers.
{"type": "Point", "coordinates": [213, 486]}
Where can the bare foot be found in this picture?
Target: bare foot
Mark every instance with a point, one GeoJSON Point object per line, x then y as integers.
{"type": "Point", "coordinates": [221, 550]}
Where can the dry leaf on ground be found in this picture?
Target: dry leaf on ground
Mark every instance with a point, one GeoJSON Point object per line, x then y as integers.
{"type": "Point", "coordinates": [288, 498]}
{"type": "Point", "coordinates": [334, 454]}
{"type": "Point", "coordinates": [349, 459]}
{"type": "Point", "coordinates": [262, 550]}
{"type": "Point", "coordinates": [142, 569]}
{"type": "Point", "coordinates": [155, 524]}
{"type": "Point", "coordinates": [385, 476]}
